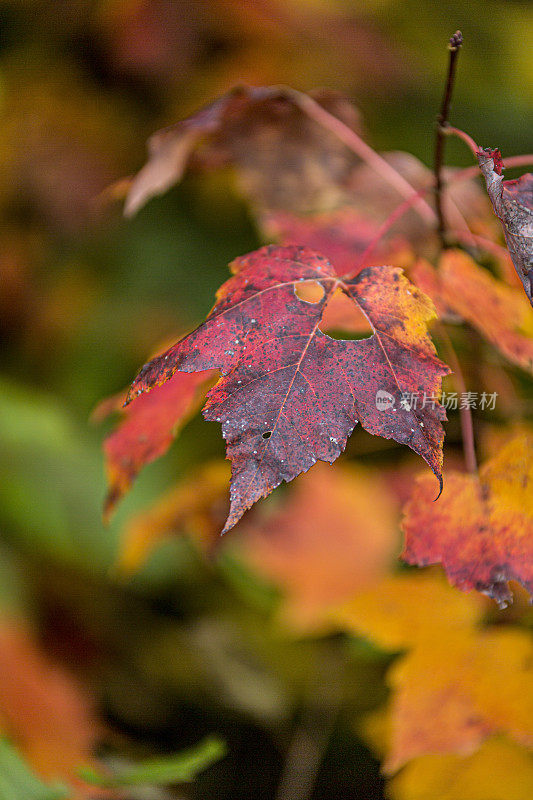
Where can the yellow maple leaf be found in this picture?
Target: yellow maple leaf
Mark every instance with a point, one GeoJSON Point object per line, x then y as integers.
{"type": "Point", "coordinates": [498, 771]}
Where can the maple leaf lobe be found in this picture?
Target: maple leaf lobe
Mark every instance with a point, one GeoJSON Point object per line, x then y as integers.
{"type": "Point", "coordinates": [147, 430]}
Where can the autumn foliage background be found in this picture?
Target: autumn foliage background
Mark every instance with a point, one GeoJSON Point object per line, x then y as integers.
{"type": "Point", "coordinates": [327, 667]}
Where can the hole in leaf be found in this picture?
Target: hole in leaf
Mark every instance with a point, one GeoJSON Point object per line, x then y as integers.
{"type": "Point", "coordinates": [309, 291]}
{"type": "Point", "coordinates": [343, 320]}
{"type": "Point", "coordinates": [267, 434]}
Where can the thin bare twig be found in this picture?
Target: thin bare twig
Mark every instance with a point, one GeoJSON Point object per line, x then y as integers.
{"type": "Point", "coordinates": [311, 736]}
{"type": "Point", "coordinates": [442, 120]}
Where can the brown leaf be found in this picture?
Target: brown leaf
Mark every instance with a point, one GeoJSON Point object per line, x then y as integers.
{"type": "Point", "coordinates": [305, 185]}
{"type": "Point", "coordinates": [286, 160]}
{"type": "Point", "coordinates": [513, 205]}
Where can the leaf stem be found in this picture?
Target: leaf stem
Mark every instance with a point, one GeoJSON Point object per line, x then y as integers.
{"type": "Point", "coordinates": [449, 130]}
{"type": "Point", "coordinates": [384, 228]}
{"type": "Point", "coordinates": [442, 121]}
{"type": "Point", "coordinates": [350, 138]}
{"type": "Point", "coordinates": [465, 414]}
{"type": "Point", "coordinates": [466, 174]}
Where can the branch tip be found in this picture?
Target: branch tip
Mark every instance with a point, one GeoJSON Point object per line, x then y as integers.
{"type": "Point", "coordinates": [456, 40]}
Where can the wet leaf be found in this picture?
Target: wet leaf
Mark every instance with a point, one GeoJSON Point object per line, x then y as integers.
{"type": "Point", "coordinates": [481, 530]}
{"type": "Point", "coordinates": [289, 394]}
{"type": "Point", "coordinates": [513, 205]}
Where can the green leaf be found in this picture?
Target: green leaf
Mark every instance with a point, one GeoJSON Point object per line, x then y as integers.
{"type": "Point", "coordinates": [180, 768]}
{"type": "Point", "coordinates": [18, 783]}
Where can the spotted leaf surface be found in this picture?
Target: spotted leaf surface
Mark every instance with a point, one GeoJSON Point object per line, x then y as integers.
{"type": "Point", "coordinates": [289, 394]}
{"type": "Point", "coordinates": [513, 205]}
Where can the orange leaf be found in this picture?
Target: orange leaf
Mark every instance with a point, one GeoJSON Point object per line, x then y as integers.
{"type": "Point", "coordinates": [500, 313]}
{"type": "Point", "coordinates": [42, 708]}
{"type": "Point", "coordinates": [499, 771]}
{"type": "Point", "coordinates": [197, 506]}
{"type": "Point", "coordinates": [444, 697]}
{"type": "Point", "coordinates": [481, 530]}
{"type": "Point", "coordinates": [402, 610]}
{"type": "Point", "coordinates": [336, 535]}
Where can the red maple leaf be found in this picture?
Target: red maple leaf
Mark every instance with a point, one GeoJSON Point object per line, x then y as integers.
{"type": "Point", "coordinates": [289, 394]}
{"type": "Point", "coordinates": [149, 426]}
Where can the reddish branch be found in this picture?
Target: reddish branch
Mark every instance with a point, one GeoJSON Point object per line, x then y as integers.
{"type": "Point", "coordinates": [467, 174]}
{"type": "Point", "coordinates": [449, 130]}
{"type": "Point", "coordinates": [364, 151]}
